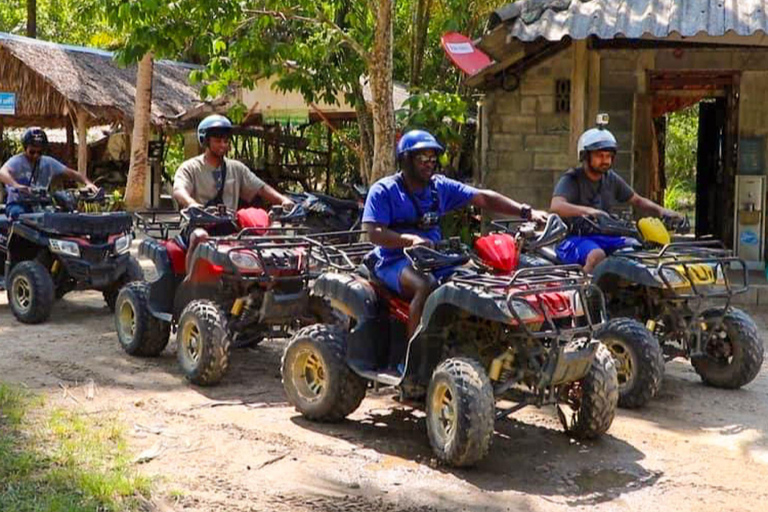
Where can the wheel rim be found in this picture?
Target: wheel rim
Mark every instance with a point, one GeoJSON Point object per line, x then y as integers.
{"type": "Point", "coordinates": [720, 347]}
{"type": "Point", "coordinates": [444, 418]}
{"type": "Point", "coordinates": [572, 396]}
{"type": "Point", "coordinates": [191, 341]}
{"type": "Point", "coordinates": [310, 375]}
{"type": "Point", "coordinates": [127, 319]}
{"type": "Point", "coordinates": [22, 294]}
{"type": "Point", "coordinates": [626, 370]}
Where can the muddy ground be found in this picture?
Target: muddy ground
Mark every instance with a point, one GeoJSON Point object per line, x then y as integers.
{"type": "Point", "coordinates": [241, 447]}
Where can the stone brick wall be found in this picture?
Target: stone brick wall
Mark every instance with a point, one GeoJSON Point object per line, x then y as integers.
{"type": "Point", "coordinates": [528, 141]}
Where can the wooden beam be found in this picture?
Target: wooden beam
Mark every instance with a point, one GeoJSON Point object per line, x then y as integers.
{"type": "Point", "coordinates": [593, 103]}
{"type": "Point", "coordinates": [70, 142]}
{"type": "Point", "coordinates": [579, 75]}
{"type": "Point", "coordinates": [82, 142]}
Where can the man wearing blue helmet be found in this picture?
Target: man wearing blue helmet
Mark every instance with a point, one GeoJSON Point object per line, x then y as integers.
{"type": "Point", "coordinates": [211, 179]}
{"type": "Point", "coordinates": [591, 190]}
{"type": "Point", "coordinates": [403, 210]}
{"type": "Point", "coordinates": [33, 169]}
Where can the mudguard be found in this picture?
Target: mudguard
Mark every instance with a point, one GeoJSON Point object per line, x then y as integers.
{"type": "Point", "coordinates": [352, 295]}
{"type": "Point", "coordinates": [162, 290]}
{"type": "Point", "coordinates": [626, 269]}
{"type": "Point", "coordinates": [490, 306]}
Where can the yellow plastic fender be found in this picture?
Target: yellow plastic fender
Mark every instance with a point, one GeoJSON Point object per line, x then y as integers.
{"type": "Point", "coordinates": [653, 231]}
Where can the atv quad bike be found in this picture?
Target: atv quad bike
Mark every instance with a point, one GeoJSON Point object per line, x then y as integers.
{"type": "Point", "coordinates": [57, 249]}
{"type": "Point", "coordinates": [247, 281]}
{"type": "Point", "coordinates": [683, 291]}
{"type": "Point", "coordinates": [638, 356]}
{"type": "Point", "coordinates": [482, 338]}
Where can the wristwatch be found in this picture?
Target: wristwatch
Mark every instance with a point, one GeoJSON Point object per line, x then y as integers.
{"type": "Point", "coordinates": [525, 211]}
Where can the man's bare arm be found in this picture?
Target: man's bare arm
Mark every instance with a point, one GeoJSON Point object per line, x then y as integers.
{"type": "Point", "coordinates": [563, 208]}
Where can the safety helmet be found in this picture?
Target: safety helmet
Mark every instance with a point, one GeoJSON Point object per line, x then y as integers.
{"type": "Point", "coordinates": [417, 140]}
{"type": "Point", "coordinates": [213, 125]}
{"type": "Point", "coordinates": [597, 139]}
{"type": "Point", "coordinates": [34, 137]}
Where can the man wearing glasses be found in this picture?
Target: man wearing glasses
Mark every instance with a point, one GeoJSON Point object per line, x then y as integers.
{"type": "Point", "coordinates": [211, 179]}
{"type": "Point", "coordinates": [404, 210]}
{"type": "Point", "coordinates": [33, 169]}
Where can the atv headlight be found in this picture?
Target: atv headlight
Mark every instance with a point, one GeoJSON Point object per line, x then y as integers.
{"type": "Point", "coordinates": [672, 277]}
{"type": "Point", "coordinates": [123, 244]}
{"type": "Point", "coordinates": [64, 247]}
{"type": "Point", "coordinates": [524, 310]}
{"type": "Point", "coordinates": [245, 261]}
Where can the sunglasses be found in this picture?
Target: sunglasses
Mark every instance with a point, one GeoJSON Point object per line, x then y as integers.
{"type": "Point", "coordinates": [425, 159]}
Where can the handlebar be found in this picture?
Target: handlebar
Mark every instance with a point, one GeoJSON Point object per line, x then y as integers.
{"type": "Point", "coordinates": [447, 253]}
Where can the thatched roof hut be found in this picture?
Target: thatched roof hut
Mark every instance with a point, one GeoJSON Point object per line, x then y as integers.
{"type": "Point", "coordinates": [54, 82]}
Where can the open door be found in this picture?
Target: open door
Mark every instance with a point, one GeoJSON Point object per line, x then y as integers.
{"type": "Point", "coordinates": [711, 186]}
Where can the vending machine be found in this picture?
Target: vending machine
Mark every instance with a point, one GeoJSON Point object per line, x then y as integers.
{"type": "Point", "coordinates": [749, 219]}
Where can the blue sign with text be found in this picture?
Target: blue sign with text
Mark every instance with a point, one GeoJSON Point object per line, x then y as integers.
{"type": "Point", "coordinates": [7, 104]}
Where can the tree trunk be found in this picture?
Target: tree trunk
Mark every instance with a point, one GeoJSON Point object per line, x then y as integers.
{"type": "Point", "coordinates": [380, 70]}
{"type": "Point", "coordinates": [365, 124]}
{"type": "Point", "coordinates": [31, 18]}
{"type": "Point", "coordinates": [137, 175]}
{"type": "Point", "coordinates": [419, 39]}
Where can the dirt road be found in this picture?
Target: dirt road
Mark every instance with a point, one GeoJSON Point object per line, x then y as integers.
{"type": "Point", "coordinates": [240, 447]}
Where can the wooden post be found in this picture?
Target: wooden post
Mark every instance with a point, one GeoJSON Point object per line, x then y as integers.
{"type": "Point", "coordinates": [579, 74]}
{"type": "Point", "coordinates": [329, 135]}
{"type": "Point", "coordinates": [593, 105]}
{"type": "Point", "coordinates": [82, 142]}
{"type": "Point", "coordinates": [70, 141]}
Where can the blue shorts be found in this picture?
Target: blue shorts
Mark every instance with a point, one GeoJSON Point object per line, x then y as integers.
{"type": "Point", "coordinates": [389, 272]}
{"type": "Point", "coordinates": [575, 249]}
{"type": "Point", "coordinates": [13, 210]}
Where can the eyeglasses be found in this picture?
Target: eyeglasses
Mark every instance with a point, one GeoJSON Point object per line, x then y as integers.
{"type": "Point", "coordinates": [425, 159]}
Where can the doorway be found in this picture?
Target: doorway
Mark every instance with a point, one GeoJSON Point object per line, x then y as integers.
{"type": "Point", "coordinates": [712, 97]}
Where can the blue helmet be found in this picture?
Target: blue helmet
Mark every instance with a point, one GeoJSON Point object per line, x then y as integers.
{"type": "Point", "coordinates": [34, 137]}
{"type": "Point", "coordinates": [214, 124]}
{"type": "Point", "coordinates": [417, 140]}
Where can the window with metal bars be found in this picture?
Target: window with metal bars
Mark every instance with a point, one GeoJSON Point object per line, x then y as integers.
{"type": "Point", "coordinates": [562, 96]}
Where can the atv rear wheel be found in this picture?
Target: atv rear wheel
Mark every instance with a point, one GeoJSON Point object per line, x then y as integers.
{"type": "Point", "coordinates": [203, 343]}
{"type": "Point", "coordinates": [592, 400]}
{"type": "Point", "coordinates": [132, 273]}
{"type": "Point", "coordinates": [316, 378]}
{"type": "Point", "coordinates": [734, 353]}
{"type": "Point", "coordinates": [460, 412]}
{"type": "Point", "coordinates": [139, 333]}
{"type": "Point", "coordinates": [30, 292]}
{"type": "Point", "coordinates": [638, 357]}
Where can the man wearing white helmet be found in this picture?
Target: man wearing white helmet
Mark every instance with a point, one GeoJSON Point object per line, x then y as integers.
{"type": "Point", "coordinates": [211, 178]}
{"type": "Point", "coordinates": [594, 189]}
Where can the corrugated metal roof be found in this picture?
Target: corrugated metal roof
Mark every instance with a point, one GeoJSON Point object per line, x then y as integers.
{"type": "Point", "coordinates": [608, 19]}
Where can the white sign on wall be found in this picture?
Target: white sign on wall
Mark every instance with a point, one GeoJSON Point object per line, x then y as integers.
{"type": "Point", "coordinates": [7, 104]}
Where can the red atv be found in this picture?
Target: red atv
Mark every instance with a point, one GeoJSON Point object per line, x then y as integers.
{"type": "Point", "coordinates": [482, 338]}
{"type": "Point", "coordinates": [246, 281]}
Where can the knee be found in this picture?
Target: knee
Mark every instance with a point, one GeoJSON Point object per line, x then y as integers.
{"type": "Point", "coordinates": [593, 258]}
{"type": "Point", "coordinates": [197, 237]}
{"type": "Point", "coordinates": [425, 287]}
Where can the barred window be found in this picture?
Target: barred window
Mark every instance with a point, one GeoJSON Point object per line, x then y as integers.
{"type": "Point", "coordinates": [562, 96]}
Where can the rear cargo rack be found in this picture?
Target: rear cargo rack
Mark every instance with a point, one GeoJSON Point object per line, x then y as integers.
{"type": "Point", "coordinates": [158, 223]}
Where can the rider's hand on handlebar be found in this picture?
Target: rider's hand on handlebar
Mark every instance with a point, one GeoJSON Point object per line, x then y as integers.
{"type": "Point", "coordinates": [288, 205]}
{"type": "Point", "coordinates": [539, 216]}
{"type": "Point", "coordinates": [416, 240]}
{"type": "Point", "coordinates": [22, 189]}
{"type": "Point", "coordinates": [91, 188]}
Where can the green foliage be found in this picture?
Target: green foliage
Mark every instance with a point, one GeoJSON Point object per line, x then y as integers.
{"type": "Point", "coordinates": [442, 114]}
{"type": "Point", "coordinates": [79, 22]}
{"type": "Point", "coordinates": [57, 460]}
{"type": "Point", "coordinates": [680, 158]}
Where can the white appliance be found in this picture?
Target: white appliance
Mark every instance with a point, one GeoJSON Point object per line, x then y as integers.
{"type": "Point", "coordinates": [749, 219]}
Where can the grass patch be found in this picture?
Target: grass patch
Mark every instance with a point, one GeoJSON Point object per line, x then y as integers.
{"type": "Point", "coordinates": [54, 460]}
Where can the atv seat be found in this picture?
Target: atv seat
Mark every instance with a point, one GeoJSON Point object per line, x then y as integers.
{"type": "Point", "coordinates": [549, 253]}
{"type": "Point", "coordinates": [336, 203]}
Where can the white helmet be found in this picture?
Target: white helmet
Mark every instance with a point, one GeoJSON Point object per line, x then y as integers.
{"type": "Point", "coordinates": [596, 139]}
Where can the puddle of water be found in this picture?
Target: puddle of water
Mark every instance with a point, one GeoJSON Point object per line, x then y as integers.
{"type": "Point", "coordinates": [602, 480]}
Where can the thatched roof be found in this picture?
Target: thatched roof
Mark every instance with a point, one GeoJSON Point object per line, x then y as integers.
{"type": "Point", "coordinates": [52, 81]}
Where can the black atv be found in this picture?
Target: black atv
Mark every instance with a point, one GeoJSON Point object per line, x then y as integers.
{"type": "Point", "coordinates": [682, 290]}
{"type": "Point", "coordinates": [57, 249]}
{"type": "Point", "coordinates": [231, 290]}
{"type": "Point", "coordinates": [482, 338]}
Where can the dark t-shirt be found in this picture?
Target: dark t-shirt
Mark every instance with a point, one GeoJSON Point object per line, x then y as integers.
{"type": "Point", "coordinates": [603, 194]}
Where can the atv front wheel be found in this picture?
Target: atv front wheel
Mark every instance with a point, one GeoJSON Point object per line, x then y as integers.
{"type": "Point", "coordinates": [460, 412]}
{"type": "Point", "coordinates": [734, 353]}
{"type": "Point", "coordinates": [30, 292]}
{"type": "Point", "coordinates": [132, 273]}
{"type": "Point", "coordinates": [203, 343]}
{"type": "Point", "coordinates": [139, 333]}
{"type": "Point", "coordinates": [592, 400]}
{"type": "Point", "coordinates": [316, 378]}
{"type": "Point", "coordinates": [638, 358]}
